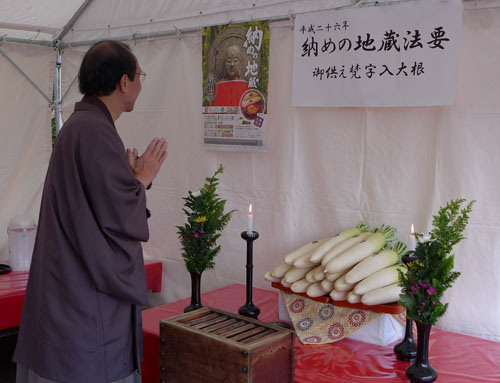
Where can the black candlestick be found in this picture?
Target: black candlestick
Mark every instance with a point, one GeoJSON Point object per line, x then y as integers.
{"type": "Point", "coordinates": [249, 309]}
{"type": "Point", "coordinates": [406, 350]}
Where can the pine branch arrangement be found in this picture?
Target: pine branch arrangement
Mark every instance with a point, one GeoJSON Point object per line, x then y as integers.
{"type": "Point", "coordinates": [431, 273]}
{"type": "Point", "coordinates": [206, 219]}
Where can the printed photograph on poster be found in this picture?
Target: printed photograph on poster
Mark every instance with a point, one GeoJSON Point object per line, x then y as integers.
{"type": "Point", "coordinates": [235, 80]}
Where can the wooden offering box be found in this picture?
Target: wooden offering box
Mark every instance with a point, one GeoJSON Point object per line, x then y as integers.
{"type": "Point", "coordinates": [209, 345]}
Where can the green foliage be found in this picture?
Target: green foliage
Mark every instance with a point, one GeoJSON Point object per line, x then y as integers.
{"type": "Point", "coordinates": [53, 129]}
{"type": "Point", "coordinates": [205, 221]}
{"type": "Point", "coordinates": [431, 273]}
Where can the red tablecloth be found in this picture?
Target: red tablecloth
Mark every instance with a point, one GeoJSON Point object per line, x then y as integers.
{"type": "Point", "coordinates": [457, 358]}
{"type": "Point", "coordinates": [13, 287]}
{"type": "Point", "coordinates": [154, 271]}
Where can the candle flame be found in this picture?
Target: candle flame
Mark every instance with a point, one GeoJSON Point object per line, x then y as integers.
{"type": "Point", "coordinates": [412, 229]}
{"type": "Point", "coordinates": [250, 209]}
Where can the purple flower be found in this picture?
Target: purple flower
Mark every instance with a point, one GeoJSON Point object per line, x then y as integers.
{"type": "Point", "coordinates": [201, 232]}
{"type": "Point", "coordinates": [424, 284]}
{"type": "Point", "coordinates": [431, 290]}
{"type": "Point", "coordinates": [414, 288]}
{"type": "Point", "coordinates": [434, 303]}
{"type": "Point", "coordinates": [196, 235]}
{"type": "Point", "coordinates": [424, 304]}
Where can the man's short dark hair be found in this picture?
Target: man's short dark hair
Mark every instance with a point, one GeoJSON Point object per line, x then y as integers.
{"type": "Point", "coordinates": [103, 66]}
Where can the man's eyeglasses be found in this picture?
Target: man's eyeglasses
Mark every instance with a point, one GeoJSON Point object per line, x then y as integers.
{"type": "Point", "coordinates": [142, 76]}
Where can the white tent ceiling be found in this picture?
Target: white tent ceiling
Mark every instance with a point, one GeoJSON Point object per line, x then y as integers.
{"type": "Point", "coordinates": [35, 20]}
{"type": "Point", "coordinates": [43, 22]}
{"type": "Point", "coordinates": [83, 21]}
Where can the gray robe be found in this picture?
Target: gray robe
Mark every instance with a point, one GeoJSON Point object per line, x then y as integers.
{"type": "Point", "coordinates": [81, 318]}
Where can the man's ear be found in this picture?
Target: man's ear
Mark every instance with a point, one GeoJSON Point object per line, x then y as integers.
{"type": "Point", "coordinates": [123, 83]}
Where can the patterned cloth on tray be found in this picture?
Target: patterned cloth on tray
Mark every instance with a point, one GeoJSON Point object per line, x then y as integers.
{"type": "Point", "coordinates": [318, 323]}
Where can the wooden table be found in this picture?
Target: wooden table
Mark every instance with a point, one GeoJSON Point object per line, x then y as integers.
{"type": "Point", "coordinates": [13, 288]}
{"type": "Point", "coordinates": [457, 358]}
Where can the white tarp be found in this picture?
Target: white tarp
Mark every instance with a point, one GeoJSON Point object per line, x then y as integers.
{"type": "Point", "coordinates": [325, 169]}
{"type": "Point", "coordinates": [25, 142]}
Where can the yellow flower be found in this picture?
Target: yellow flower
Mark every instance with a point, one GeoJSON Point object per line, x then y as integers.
{"type": "Point", "coordinates": [201, 219]}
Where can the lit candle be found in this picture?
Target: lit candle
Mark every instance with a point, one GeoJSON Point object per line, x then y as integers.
{"type": "Point", "coordinates": [250, 219]}
{"type": "Point", "coordinates": [412, 243]}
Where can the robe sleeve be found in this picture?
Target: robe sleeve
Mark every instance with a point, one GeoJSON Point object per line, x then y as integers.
{"type": "Point", "coordinates": [115, 221]}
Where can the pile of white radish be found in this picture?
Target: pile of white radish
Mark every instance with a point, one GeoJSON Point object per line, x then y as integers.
{"type": "Point", "coordinates": [356, 265]}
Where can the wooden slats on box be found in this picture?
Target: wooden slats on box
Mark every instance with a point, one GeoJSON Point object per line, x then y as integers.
{"type": "Point", "coordinates": [210, 345]}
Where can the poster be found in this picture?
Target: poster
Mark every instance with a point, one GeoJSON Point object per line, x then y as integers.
{"type": "Point", "coordinates": [405, 54]}
{"type": "Point", "coordinates": [235, 81]}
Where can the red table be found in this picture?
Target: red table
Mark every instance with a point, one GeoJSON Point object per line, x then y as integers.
{"type": "Point", "coordinates": [13, 287]}
{"type": "Point", "coordinates": [457, 358]}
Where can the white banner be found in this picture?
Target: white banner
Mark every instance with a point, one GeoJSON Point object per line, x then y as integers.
{"type": "Point", "coordinates": [398, 55]}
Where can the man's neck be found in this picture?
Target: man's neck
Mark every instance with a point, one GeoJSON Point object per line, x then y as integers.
{"type": "Point", "coordinates": [115, 108]}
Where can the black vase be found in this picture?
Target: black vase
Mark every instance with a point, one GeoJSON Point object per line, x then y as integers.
{"type": "Point", "coordinates": [406, 350]}
{"type": "Point", "coordinates": [421, 370]}
{"type": "Point", "coordinates": [195, 293]}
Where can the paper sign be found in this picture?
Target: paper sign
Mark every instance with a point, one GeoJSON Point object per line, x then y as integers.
{"type": "Point", "coordinates": [405, 54]}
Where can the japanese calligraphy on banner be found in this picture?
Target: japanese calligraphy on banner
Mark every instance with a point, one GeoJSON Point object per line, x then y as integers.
{"type": "Point", "coordinates": [405, 54]}
{"type": "Point", "coordinates": [235, 78]}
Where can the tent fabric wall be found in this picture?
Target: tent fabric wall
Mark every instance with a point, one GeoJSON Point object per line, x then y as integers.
{"type": "Point", "coordinates": [328, 168]}
{"type": "Point", "coordinates": [25, 134]}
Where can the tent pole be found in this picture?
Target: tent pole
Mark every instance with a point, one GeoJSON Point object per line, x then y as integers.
{"type": "Point", "coordinates": [72, 21]}
{"type": "Point", "coordinates": [58, 92]}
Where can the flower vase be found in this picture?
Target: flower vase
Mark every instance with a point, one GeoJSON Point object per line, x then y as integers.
{"type": "Point", "coordinates": [406, 350]}
{"type": "Point", "coordinates": [421, 370]}
{"type": "Point", "coordinates": [195, 293]}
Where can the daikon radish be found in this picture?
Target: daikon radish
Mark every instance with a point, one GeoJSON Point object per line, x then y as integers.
{"type": "Point", "coordinates": [300, 286]}
{"type": "Point", "coordinates": [381, 278]}
{"type": "Point", "coordinates": [285, 283]}
{"type": "Point", "coordinates": [319, 273]}
{"type": "Point", "coordinates": [338, 295]}
{"type": "Point", "coordinates": [341, 285]}
{"type": "Point", "coordinates": [332, 277]}
{"type": "Point", "coordinates": [326, 285]}
{"type": "Point", "coordinates": [307, 248]}
{"type": "Point", "coordinates": [362, 250]}
{"type": "Point", "coordinates": [352, 297]}
{"type": "Point", "coordinates": [343, 246]}
{"type": "Point", "coordinates": [375, 262]}
{"type": "Point", "coordinates": [315, 290]}
{"type": "Point", "coordinates": [310, 276]}
{"type": "Point", "coordinates": [303, 261]}
{"type": "Point", "coordinates": [280, 270]}
{"type": "Point", "coordinates": [382, 295]}
{"type": "Point", "coordinates": [295, 274]}
{"type": "Point", "coordinates": [270, 278]}
{"type": "Point", "coordinates": [318, 254]}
